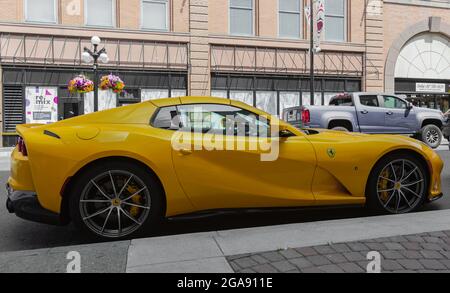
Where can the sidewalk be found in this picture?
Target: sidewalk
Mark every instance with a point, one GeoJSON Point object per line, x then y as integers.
{"type": "Point", "coordinates": [418, 253]}
{"type": "Point", "coordinates": [412, 243]}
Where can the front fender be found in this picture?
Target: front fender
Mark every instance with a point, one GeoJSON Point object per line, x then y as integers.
{"type": "Point", "coordinates": [421, 117]}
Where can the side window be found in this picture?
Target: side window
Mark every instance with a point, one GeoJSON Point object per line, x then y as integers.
{"type": "Point", "coordinates": [393, 103]}
{"type": "Point", "coordinates": [369, 101]}
{"type": "Point", "coordinates": [167, 118]}
{"type": "Point", "coordinates": [341, 101]}
{"type": "Point", "coordinates": [222, 119]}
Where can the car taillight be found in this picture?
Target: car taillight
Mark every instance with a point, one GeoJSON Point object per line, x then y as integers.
{"type": "Point", "coordinates": [306, 116]}
{"type": "Point", "coordinates": [22, 147]}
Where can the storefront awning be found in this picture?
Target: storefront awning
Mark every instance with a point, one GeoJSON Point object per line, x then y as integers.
{"type": "Point", "coordinates": [256, 60]}
{"type": "Point", "coordinates": [51, 50]}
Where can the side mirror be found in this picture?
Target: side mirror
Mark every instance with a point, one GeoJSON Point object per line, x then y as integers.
{"type": "Point", "coordinates": [284, 131]}
{"type": "Point", "coordinates": [409, 106]}
{"type": "Point", "coordinates": [283, 127]}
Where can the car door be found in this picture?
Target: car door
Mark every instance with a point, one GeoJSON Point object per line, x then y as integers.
{"type": "Point", "coordinates": [370, 115]}
{"type": "Point", "coordinates": [220, 166]}
{"type": "Point", "coordinates": [398, 117]}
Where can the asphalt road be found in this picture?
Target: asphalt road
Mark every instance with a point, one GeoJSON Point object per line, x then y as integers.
{"type": "Point", "coordinates": [17, 234]}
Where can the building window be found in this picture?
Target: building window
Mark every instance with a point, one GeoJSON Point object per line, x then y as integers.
{"type": "Point", "coordinates": [289, 100]}
{"type": "Point", "coordinates": [100, 13]}
{"type": "Point", "coordinates": [335, 20]}
{"type": "Point", "coordinates": [242, 96]}
{"type": "Point", "coordinates": [267, 101]}
{"type": "Point", "coordinates": [155, 14]}
{"type": "Point", "coordinates": [154, 94]}
{"type": "Point", "coordinates": [241, 17]}
{"type": "Point", "coordinates": [289, 18]}
{"type": "Point", "coordinates": [40, 11]}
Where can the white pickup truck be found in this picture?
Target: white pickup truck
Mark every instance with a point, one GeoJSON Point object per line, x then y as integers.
{"type": "Point", "coordinates": [371, 113]}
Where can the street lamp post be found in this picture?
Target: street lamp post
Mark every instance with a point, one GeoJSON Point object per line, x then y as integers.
{"type": "Point", "coordinates": [94, 56]}
{"type": "Point", "coordinates": [311, 53]}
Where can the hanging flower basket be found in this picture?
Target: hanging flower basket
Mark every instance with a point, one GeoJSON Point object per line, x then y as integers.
{"type": "Point", "coordinates": [81, 85]}
{"type": "Point", "coordinates": [112, 82]}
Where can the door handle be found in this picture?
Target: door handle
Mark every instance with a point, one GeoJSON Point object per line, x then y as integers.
{"type": "Point", "coordinates": [389, 113]}
{"type": "Point", "coordinates": [364, 112]}
{"type": "Point", "coordinates": [185, 152]}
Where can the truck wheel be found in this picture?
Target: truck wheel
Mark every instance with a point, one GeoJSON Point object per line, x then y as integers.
{"type": "Point", "coordinates": [340, 128]}
{"type": "Point", "coordinates": [431, 135]}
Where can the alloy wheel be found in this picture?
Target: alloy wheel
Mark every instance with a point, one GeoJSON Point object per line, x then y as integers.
{"type": "Point", "coordinates": [401, 186]}
{"type": "Point", "coordinates": [432, 136]}
{"type": "Point", "coordinates": [115, 203]}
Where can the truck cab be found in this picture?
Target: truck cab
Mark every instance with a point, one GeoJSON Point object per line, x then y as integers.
{"type": "Point", "coordinates": [374, 113]}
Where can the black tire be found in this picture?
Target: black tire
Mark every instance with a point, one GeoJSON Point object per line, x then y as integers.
{"type": "Point", "coordinates": [340, 128]}
{"type": "Point", "coordinates": [431, 135]}
{"type": "Point", "coordinates": [375, 200]}
{"type": "Point", "coordinates": [150, 217]}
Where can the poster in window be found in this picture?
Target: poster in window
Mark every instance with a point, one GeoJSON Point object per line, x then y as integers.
{"type": "Point", "coordinates": [41, 105]}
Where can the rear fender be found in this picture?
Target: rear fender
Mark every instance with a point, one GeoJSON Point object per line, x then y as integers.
{"type": "Point", "coordinates": [328, 117]}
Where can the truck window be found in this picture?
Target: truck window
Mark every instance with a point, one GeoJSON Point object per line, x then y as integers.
{"type": "Point", "coordinates": [369, 101]}
{"type": "Point", "coordinates": [393, 103]}
{"type": "Point", "coordinates": [341, 101]}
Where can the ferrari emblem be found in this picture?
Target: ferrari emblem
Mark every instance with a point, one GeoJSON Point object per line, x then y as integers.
{"type": "Point", "coordinates": [331, 153]}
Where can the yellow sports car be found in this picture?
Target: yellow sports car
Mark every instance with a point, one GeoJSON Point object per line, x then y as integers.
{"type": "Point", "coordinates": [118, 172]}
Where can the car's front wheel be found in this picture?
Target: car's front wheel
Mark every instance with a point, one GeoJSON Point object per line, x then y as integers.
{"type": "Point", "coordinates": [398, 184]}
{"type": "Point", "coordinates": [116, 200]}
{"type": "Point", "coordinates": [431, 135]}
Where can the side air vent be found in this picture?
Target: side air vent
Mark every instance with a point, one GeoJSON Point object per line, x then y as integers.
{"type": "Point", "coordinates": [52, 134]}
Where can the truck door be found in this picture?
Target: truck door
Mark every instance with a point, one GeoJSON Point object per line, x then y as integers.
{"type": "Point", "coordinates": [370, 115]}
{"type": "Point", "coordinates": [399, 119]}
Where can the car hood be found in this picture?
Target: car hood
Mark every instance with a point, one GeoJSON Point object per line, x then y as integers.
{"type": "Point", "coordinates": [394, 138]}
{"type": "Point", "coordinates": [316, 131]}
{"type": "Point", "coordinates": [421, 109]}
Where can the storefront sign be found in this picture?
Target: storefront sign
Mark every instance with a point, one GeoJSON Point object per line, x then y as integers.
{"type": "Point", "coordinates": [41, 105]}
{"type": "Point", "coordinates": [430, 87]}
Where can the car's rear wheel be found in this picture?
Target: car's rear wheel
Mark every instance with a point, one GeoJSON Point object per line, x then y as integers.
{"type": "Point", "coordinates": [398, 184]}
{"type": "Point", "coordinates": [116, 200]}
{"type": "Point", "coordinates": [431, 135]}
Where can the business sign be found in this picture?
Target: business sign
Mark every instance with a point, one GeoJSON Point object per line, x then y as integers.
{"type": "Point", "coordinates": [423, 87]}
{"type": "Point", "coordinates": [41, 105]}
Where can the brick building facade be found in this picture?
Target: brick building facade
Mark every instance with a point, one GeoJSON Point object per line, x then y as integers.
{"type": "Point", "coordinates": [255, 51]}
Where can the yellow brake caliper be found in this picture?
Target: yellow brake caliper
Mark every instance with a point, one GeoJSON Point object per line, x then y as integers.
{"type": "Point", "coordinates": [383, 185]}
{"type": "Point", "coordinates": [137, 199]}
